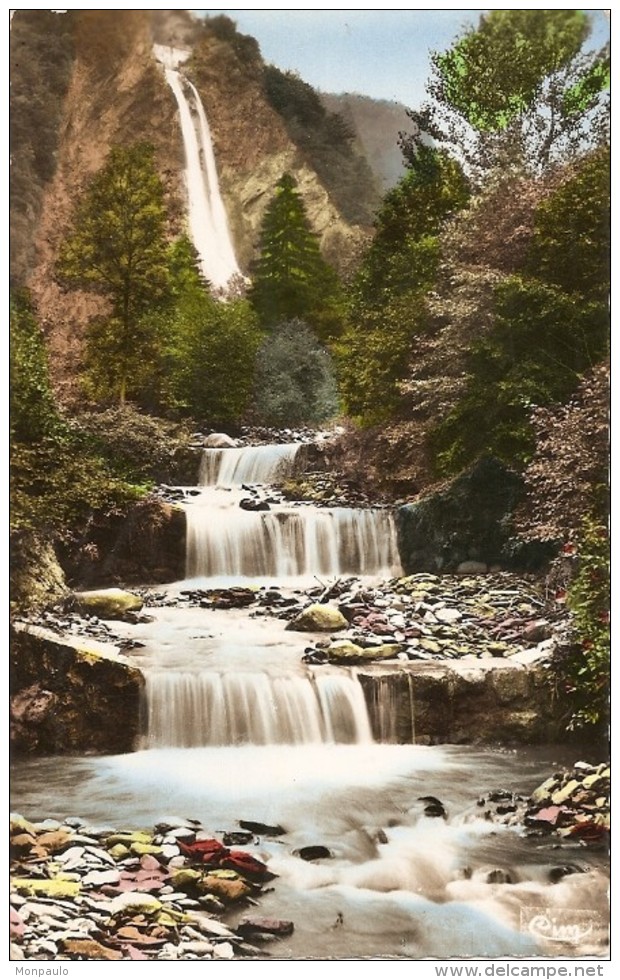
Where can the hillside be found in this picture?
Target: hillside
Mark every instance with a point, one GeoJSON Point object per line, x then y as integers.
{"type": "Point", "coordinates": [84, 81]}
{"type": "Point", "coordinates": [377, 124]}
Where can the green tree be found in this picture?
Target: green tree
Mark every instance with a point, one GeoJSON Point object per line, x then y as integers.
{"type": "Point", "coordinates": [211, 352]}
{"type": "Point", "coordinates": [118, 248]}
{"type": "Point", "coordinates": [387, 308]}
{"type": "Point", "coordinates": [290, 278]}
{"type": "Point", "coordinates": [517, 89]}
{"type": "Point", "coordinates": [572, 236]}
{"type": "Point", "coordinates": [549, 327]}
{"type": "Point", "coordinates": [32, 407]}
{"type": "Point", "coordinates": [295, 382]}
{"type": "Point", "coordinates": [405, 250]}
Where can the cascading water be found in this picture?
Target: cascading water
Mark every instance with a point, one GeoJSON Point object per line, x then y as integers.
{"type": "Point", "coordinates": [240, 728]}
{"type": "Point", "coordinates": [207, 215]}
{"type": "Point", "coordinates": [224, 541]}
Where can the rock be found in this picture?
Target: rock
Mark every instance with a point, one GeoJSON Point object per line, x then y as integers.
{"type": "Point", "coordinates": [564, 794]}
{"type": "Point", "coordinates": [318, 618]}
{"type": "Point", "coordinates": [543, 792]}
{"type": "Point", "coordinates": [536, 632]}
{"type": "Point", "coordinates": [448, 615]}
{"type": "Point", "coordinates": [135, 902]}
{"type": "Point", "coordinates": [467, 521]}
{"type": "Point", "coordinates": [343, 650]}
{"type": "Point", "coordinates": [248, 503]}
{"type": "Point", "coordinates": [90, 949]}
{"type": "Point", "coordinates": [471, 568]}
{"type": "Point", "coordinates": [96, 694]}
{"type": "Point", "coordinates": [108, 603]}
{"type": "Point", "coordinates": [57, 888]}
{"type": "Point", "coordinates": [312, 852]}
{"type": "Point", "coordinates": [219, 440]}
{"type": "Point", "coordinates": [223, 951]}
{"type": "Point", "coordinates": [269, 830]}
{"type": "Point", "coordinates": [228, 889]}
{"type": "Point", "coordinates": [251, 925]}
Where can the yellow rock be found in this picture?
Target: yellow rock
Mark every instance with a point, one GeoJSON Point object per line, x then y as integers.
{"type": "Point", "coordinates": [139, 837]}
{"type": "Point", "coordinates": [224, 888]}
{"type": "Point", "coordinates": [21, 825]}
{"type": "Point", "coordinates": [141, 849]}
{"type": "Point", "coordinates": [186, 878]}
{"type": "Point", "coordinates": [90, 949]}
{"type": "Point", "coordinates": [48, 887]}
{"type": "Point", "coordinates": [119, 852]}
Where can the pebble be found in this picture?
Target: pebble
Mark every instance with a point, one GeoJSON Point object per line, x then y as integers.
{"type": "Point", "coordinates": [87, 913]}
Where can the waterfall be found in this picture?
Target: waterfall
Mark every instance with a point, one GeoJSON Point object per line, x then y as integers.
{"type": "Point", "coordinates": [285, 541]}
{"type": "Point", "coordinates": [288, 542]}
{"type": "Point", "coordinates": [252, 464]}
{"type": "Point", "coordinates": [207, 215]}
{"type": "Point", "coordinates": [189, 709]}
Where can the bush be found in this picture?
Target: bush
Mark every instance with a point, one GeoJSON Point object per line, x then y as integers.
{"type": "Point", "coordinates": [587, 669]}
{"type": "Point", "coordinates": [295, 382]}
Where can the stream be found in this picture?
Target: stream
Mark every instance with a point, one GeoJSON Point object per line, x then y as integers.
{"type": "Point", "coordinates": [236, 727]}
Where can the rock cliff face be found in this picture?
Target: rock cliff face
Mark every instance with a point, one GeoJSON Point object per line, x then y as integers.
{"type": "Point", "coordinates": [114, 91]}
{"type": "Point", "coordinates": [115, 95]}
{"type": "Point", "coordinates": [70, 695]}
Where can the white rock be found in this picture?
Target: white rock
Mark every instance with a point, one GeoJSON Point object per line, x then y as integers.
{"type": "Point", "coordinates": [198, 946]}
{"type": "Point", "coordinates": [219, 440]}
{"type": "Point", "coordinates": [223, 951]}
{"type": "Point", "coordinates": [72, 856]}
{"type": "Point", "coordinates": [128, 900]}
{"type": "Point", "coordinates": [101, 878]}
{"type": "Point", "coordinates": [448, 615]}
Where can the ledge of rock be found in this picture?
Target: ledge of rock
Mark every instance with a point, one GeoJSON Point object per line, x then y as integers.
{"type": "Point", "coordinates": [464, 702]}
{"type": "Point", "coordinates": [69, 694]}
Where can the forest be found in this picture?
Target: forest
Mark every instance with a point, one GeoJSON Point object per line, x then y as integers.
{"type": "Point", "coordinates": [474, 323]}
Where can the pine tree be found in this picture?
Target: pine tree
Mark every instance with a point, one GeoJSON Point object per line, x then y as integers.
{"type": "Point", "coordinates": [290, 278]}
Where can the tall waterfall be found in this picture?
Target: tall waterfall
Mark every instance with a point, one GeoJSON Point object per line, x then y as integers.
{"type": "Point", "coordinates": [224, 540]}
{"type": "Point", "coordinates": [207, 215]}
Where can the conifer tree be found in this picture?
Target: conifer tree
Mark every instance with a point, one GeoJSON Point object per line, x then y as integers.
{"type": "Point", "coordinates": [290, 278]}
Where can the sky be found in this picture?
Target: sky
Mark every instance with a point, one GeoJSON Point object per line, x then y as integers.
{"type": "Point", "coordinates": [383, 53]}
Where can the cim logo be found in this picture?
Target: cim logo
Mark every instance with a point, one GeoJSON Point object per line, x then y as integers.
{"type": "Point", "coordinates": [560, 925]}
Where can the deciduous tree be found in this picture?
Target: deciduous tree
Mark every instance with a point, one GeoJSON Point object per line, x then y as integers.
{"type": "Point", "coordinates": [117, 247]}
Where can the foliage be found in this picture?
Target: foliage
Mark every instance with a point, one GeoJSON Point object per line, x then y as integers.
{"type": "Point", "coordinates": [404, 252]}
{"type": "Point", "coordinates": [517, 89]}
{"type": "Point", "coordinates": [137, 447]}
{"type": "Point", "coordinates": [117, 247]}
{"type": "Point", "coordinates": [295, 382]}
{"type": "Point", "coordinates": [225, 29]}
{"type": "Point", "coordinates": [326, 142]}
{"type": "Point", "coordinates": [572, 240]}
{"type": "Point", "coordinates": [373, 357]}
{"type": "Point", "coordinates": [388, 294]}
{"type": "Point", "coordinates": [290, 277]}
{"type": "Point", "coordinates": [567, 478]}
{"type": "Point", "coordinates": [32, 407]}
{"type": "Point", "coordinates": [211, 353]}
{"type": "Point", "coordinates": [545, 332]}
{"type": "Point", "coordinates": [542, 341]}
{"type": "Point", "coordinates": [587, 669]}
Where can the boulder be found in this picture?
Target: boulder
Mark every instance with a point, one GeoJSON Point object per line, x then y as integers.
{"type": "Point", "coordinates": [219, 440]}
{"type": "Point", "coordinates": [469, 521]}
{"type": "Point", "coordinates": [318, 618]}
{"type": "Point", "coordinates": [108, 603]}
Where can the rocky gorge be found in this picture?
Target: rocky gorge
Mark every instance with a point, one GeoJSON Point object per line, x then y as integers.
{"type": "Point", "coordinates": [375, 670]}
